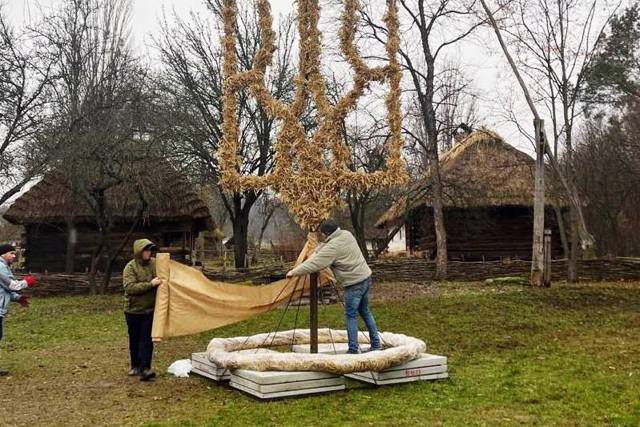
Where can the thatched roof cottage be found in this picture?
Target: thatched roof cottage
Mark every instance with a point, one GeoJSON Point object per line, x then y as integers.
{"type": "Point", "coordinates": [488, 203]}
{"type": "Point", "coordinates": [60, 232]}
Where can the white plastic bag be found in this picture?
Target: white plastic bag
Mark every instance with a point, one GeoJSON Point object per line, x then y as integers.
{"type": "Point", "coordinates": [180, 368]}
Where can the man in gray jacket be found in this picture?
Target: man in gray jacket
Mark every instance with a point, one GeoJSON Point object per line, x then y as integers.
{"type": "Point", "coordinates": [340, 251]}
{"type": "Point", "coordinates": [10, 287]}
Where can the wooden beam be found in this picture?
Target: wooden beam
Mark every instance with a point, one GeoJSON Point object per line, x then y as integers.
{"type": "Point", "coordinates": [537, 255]}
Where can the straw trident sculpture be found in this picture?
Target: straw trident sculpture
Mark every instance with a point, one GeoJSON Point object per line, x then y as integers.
{"type": "Point", "coordinates": [310, 170]}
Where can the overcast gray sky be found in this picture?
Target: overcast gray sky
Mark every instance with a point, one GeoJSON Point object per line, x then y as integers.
{"type": "Point", "coordinates": [485, 68]}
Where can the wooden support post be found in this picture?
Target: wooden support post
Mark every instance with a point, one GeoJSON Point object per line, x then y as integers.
{"type": "Point", "coordinates": [537, 255]}
{"type": "Point", "coordinates": [313, 315]}
{"type": "Point", "coordinates": [547, 257]}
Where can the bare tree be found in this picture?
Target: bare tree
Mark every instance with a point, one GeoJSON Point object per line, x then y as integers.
{"type": "Point", "coordinates": [609, 177]}
{"type": "Point", "coordinates": [456, 106]}
{"type": "Point", "coordinates": [556, 41]}
{"type": "Point", "coordinates": [268, 206]}
{"type": "Point", "coordinates": [24, 81]}
{"type": "Point", "coordinates": [368, 155]}
{"type": "Point", "coordinates": [100, 116]}
{"type": "Point", "coordinates": [192, 85]}
{"type": "Point", "coordinates": [422, 51]}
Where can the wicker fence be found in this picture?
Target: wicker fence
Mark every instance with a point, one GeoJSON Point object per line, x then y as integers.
{"type": "Point", "coordinates": [396, 269]}
{"type": "Point", "coordinates": [419, 270]}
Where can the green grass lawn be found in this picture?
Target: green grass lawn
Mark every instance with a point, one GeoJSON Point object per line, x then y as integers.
{"type": "Point", "coordinates": [569, 355]}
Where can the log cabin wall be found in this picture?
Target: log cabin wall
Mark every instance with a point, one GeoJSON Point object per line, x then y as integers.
{"type": "Point", "coordinates": [483, 233]}
{"type": "Point", "coordinates": [47, 244]}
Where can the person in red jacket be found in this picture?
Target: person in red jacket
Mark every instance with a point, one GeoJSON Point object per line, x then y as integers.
{"type": "Point", "coordinates": [10, 287]}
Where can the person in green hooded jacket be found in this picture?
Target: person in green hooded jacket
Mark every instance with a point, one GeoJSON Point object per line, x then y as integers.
{"type": "Point", "coordinates": [140, 284]}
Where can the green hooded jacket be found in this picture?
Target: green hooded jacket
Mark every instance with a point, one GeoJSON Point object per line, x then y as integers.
{"type": "Point", "coordinates": [139, 293]}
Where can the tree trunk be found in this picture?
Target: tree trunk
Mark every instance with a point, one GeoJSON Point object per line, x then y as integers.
{"type": "Point", "coordinates": [434, 164]}
{"type": "Point", "coordinates": [441, 233]}
{"type": "Point", "coordinates": [356, 212]}
{"type": "Point", "coordinates": [362, 242]}
{"type": "Point", "coordinates": [437, 195]}
{"type": "Point", "coordinates": [265, 225]}
{"type": "Point", "coordinates": [95, 259]}
{"type": "Point", "coordinates": [240, 238]}
{"type": "Point", "coordinates": [537, 255]}
{"type": "Point", "coordinates": [562, 231]}
{"type": "Point", "coordinates": [111, 259]}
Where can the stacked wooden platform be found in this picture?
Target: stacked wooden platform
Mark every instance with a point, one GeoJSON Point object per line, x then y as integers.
{"type": "Point", "coordinates": [269, 384]}
{"type": "Point", "coordinates": [426, 368]}
{"type": "Point", "coordinates": [273, 384]}
{"type": "Point", "coordinates": [277, 384]}
{"type": "Point", "coordinates": [203, 367]}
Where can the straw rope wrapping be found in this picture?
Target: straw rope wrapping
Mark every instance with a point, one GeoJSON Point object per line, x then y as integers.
{"type": "Point", "coordinates": [306, 183]}
{"type": "Point", "coordinates": [226, 352]}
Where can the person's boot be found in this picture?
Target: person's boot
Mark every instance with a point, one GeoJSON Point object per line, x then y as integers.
{"type": "Point", "coordinates": [134, 372]}
{"type": "Point", "coordinates": [3, 372]}
{"type": "Point", "coordinates": [147, 375]}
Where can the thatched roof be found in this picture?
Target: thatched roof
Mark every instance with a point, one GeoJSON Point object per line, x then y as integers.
{"type": "Point", "coordinates": [169, 197]}
{"type": "Point", "coordinates": [481, 170]}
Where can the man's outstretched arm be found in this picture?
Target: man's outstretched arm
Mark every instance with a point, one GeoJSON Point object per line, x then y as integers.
{"type": "Point", "coordinates": [322, 259]}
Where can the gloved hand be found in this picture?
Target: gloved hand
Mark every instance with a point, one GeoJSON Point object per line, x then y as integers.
{"type": "Point", "coordinates": [31, 280]}
{"type": "Point", "coordinates": [23, 301]}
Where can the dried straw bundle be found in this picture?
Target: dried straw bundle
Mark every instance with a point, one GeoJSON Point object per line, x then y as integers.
{"type": "Point", "coordinates": [306, 184]}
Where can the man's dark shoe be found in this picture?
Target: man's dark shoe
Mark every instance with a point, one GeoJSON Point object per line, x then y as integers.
{"type": "Point", "coordinates": [134, 372]}
{"type": "Point", "coordinates": [3, 372]}
{"type": "Point", "coordinates": [370, 349]}
{"type": "Point", "coordinates": [353, 352]}
{"type": "Point", "coordinates": [147, 375]}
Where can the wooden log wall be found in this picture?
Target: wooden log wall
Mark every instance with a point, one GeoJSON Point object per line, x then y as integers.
{"type": "Point", "coordinates": [47, 245]}
{"type": "Point", "coordinates": [480, 234]}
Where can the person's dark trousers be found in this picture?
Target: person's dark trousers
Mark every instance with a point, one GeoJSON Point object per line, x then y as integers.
{"type": "Point", "coordinates": [140, 344]}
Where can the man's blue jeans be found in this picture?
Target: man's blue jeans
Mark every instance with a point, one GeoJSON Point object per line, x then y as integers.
{"type": "Point", "coordinates": [356, 301]}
